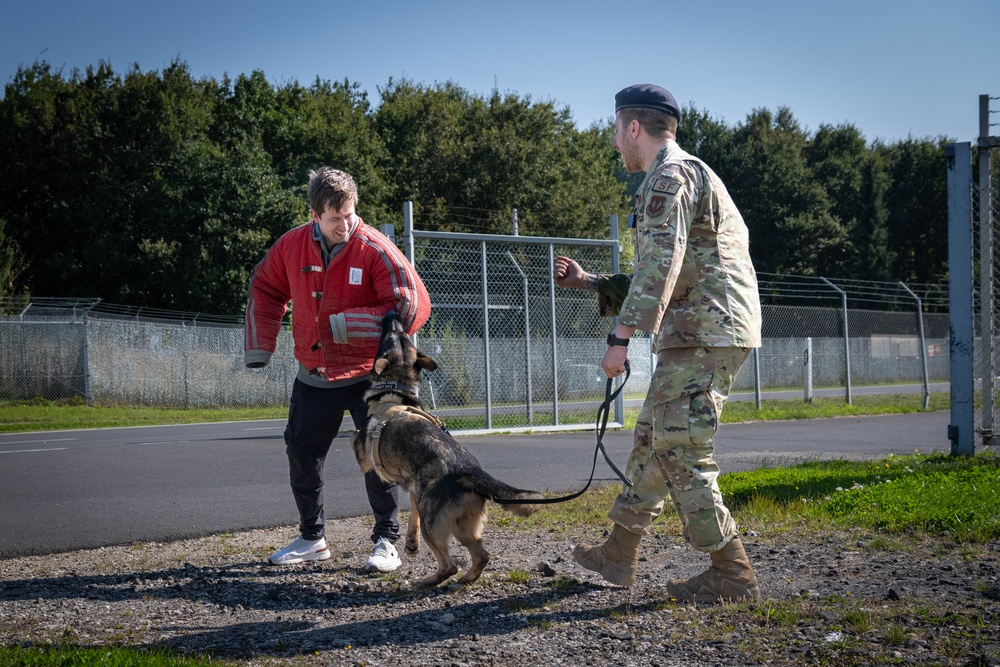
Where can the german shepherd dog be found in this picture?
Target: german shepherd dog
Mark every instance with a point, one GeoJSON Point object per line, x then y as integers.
{"type": "Point", "coordinates": [403, 444]}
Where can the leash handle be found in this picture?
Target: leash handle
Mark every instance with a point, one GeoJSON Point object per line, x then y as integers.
{"type": "Point", "coordinates": [602, 420]}
{"type": "Point", "coordinates": [601, 426]}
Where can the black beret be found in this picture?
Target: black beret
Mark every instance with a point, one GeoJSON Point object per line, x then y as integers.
{"type": "Point", "coordinates": [647, 96]}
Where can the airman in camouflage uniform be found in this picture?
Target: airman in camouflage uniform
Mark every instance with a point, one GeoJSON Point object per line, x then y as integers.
{"type": "Point", "coordinates": [694, 288]}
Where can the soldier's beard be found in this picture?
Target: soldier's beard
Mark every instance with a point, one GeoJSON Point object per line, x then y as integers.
{"type": "Point", "coordinates": [631, 157]}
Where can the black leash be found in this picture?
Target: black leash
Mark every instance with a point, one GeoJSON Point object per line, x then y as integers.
{"type": "Point", "coordinates": [602, 425]}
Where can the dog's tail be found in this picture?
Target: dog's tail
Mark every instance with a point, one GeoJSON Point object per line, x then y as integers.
{"type": "Point", "coordinates": [484, 484]}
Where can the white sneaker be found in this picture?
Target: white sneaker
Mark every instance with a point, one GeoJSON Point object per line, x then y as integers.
{"type": "Point", "coordinates": [299, 551]}
{"type": "Point", "coordinates": [384, 557]}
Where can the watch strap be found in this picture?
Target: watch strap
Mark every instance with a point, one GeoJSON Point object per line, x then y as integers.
{"type": "Point", "coordinates": [612, 340]}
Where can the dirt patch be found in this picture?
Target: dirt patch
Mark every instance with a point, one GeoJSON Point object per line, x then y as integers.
{"type": "Point", "coordinates": [838, 599]}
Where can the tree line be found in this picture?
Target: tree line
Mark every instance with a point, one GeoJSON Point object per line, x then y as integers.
{"type": "Point", "coordinates": [161, 190]}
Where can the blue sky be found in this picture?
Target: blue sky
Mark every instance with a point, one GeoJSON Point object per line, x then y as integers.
{"type": "Point", "coordinates": [893, 68]}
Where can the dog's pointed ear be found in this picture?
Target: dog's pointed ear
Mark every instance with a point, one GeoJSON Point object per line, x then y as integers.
{"type": "Point", "coordinates": [380, 365]}
{"type": "Point", "coordinates": [424, 362]}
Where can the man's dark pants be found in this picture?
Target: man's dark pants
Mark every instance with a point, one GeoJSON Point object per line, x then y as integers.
{"type": "Point", "coordinates": [314, 418]}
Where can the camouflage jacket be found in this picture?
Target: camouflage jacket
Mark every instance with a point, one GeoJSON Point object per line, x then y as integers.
{"type": "Point", "coordinates": [694, 284]}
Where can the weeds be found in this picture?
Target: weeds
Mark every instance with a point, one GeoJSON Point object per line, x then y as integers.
{"type": "Point", "coordinates": [518, 576]}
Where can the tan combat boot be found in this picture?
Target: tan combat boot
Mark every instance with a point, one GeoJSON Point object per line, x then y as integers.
{"type": "Point", "coordinates": [615, 560]}
{"type": "Point", "coordinates": [729, 577]}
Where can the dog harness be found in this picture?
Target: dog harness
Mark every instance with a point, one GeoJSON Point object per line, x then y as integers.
{"type": "Point", "coordinates": [387, 412]}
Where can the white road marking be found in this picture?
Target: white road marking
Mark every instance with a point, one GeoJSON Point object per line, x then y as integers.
{"type": "Point", "coordinates": [161, 442]}
{"type": "Point", "coordinates": [27, 451]}
{"type": "Point", "coordinates": [45, 441]}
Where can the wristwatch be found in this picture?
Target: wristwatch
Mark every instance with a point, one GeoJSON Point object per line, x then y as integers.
{"type": "Point", "coordinates": [617, 341]}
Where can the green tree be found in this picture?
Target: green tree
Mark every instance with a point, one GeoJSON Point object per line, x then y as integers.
{"type": "Point", "coordinates": [855, 182]}
{"type": "Point", "coordinates": [331, 124]}
{"type": "Point", "coordinates": [421, 130]}
{"type": "Point", "coordinates": [788, 213]}
{"type": "Point", "coordinates": [46, 128]}
{"type": "Point", "coordinates": [302, 128]}
{"type": "Point", "coordinates": [117, 188]}
{"type": "Point", "coordinates": [709, 139]}
{"type": "Point", "coordinates": [223, 202]}
{"type": "Point", "coordinates": [157, 189]}
{"type": "Point", "coordinates": [917, 203]}
{"type": "Point", "coordinates": [11, 266]}
{"type": "Point", "coordinates": [466, 161]}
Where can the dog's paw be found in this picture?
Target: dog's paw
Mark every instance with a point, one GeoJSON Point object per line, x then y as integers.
{"type": "Point", "coordinates": [442, 574]}
{"type": "Point", "coordinates": [412, 547]}
{"type": "Point", "coordinates": [469, 578]}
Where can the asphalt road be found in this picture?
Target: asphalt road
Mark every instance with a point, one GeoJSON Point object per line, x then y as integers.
{"type": "Point", "coordinates": [65, 490]}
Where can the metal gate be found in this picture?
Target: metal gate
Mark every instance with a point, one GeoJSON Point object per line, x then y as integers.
{"type": "Point", "coordinates": [974, 274]}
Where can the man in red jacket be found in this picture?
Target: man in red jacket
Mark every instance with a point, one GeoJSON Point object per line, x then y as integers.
{"type": "Point", "coordinates": [342, 277]}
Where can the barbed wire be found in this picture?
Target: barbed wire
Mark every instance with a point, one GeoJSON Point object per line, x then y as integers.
{"type": "Point", "coordinates": [933, 296]}
{"type": "Point", "coordinates": [31, 308]}
{"type": "Point", "coordinates": [775, 288]}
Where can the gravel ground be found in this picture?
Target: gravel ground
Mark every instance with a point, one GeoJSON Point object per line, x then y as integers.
{"type": "Point", "coordinates": [833, 599]}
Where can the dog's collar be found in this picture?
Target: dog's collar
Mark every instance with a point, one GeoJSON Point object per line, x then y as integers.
{"type": "Point", "coordinates": [387, 385]}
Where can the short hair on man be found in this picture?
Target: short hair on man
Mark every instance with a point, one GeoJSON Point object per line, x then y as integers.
{"type": "Point", "coordinates": [331, 188]}
{"type": "Point", "coordinates": [658, 124]}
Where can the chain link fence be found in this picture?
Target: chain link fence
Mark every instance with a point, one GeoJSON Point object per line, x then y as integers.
{"type": "Point", "coordinates": [515, 352]}
{"type": "Point", "coordinates": [57, 349]}
{"type": "Point", "coordinates": [522, 351]}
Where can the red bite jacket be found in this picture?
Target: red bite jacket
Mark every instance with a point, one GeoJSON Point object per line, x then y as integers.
{"type": "Point", "coordinates": [366, 279]}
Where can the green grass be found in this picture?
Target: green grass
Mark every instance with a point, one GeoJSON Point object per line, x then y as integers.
{"type": "Point", "coordinates": [100, 656]}
{"type": "Point", "coordinates": [518, 576]}
{"type": "Point", "coordinates": [41, 415]}
{"type": "Point", "coordinates": [915, 494]}
{"type": "Point", "coordinates": [44, 415]}
{"type": "Point", "coordinates": [898, 495]}
{"type": "Point", "coordinates": [820, 408]}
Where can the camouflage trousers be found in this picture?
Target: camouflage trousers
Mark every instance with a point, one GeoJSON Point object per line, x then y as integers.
{"type": "Point", "coordinates": [673, 452]}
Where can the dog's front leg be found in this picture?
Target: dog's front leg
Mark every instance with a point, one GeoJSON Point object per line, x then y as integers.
{"type": "Point", "coordinates": [413, 528]}
{"type": "Point", "coordinates": [360, 453]}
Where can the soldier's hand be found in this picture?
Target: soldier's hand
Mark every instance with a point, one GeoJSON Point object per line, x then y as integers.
{"type": "Point", "coordinates": [567, 272]}
{"type": "Point", "coordinates": [614, 360]}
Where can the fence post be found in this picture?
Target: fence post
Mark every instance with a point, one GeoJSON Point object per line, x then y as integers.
{"type": "Point", "coordinates": [408, 242]}
{"type": "Point", "coordinates": [756, 377]}
{"type": "Point", "coordinates": [847, 339]}
{"type": "Point", "coordinates": [809, 370]}
{"type": "Point", "coordinates": [615, 268]}
{"type": "Point", "coordinates": [987, 357]}
{"type": "Point", "coordinates": [959, 164]}
{"type": "Point", "coordinates": [23, 338]}
{"type": "Point", "coordinates": [389, 231]}
{"type": "Point", "coordinates": [408, 231]}
{"type": "Point", "coordinates": [555, 346]}
{"type": "Point", "coordinates": [923, 345]}
{"type": "Point", "coordinates": [486, 335]}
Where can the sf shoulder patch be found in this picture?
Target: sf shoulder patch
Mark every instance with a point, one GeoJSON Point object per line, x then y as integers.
{"type": "Point", "coordinates": [667, 186]}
